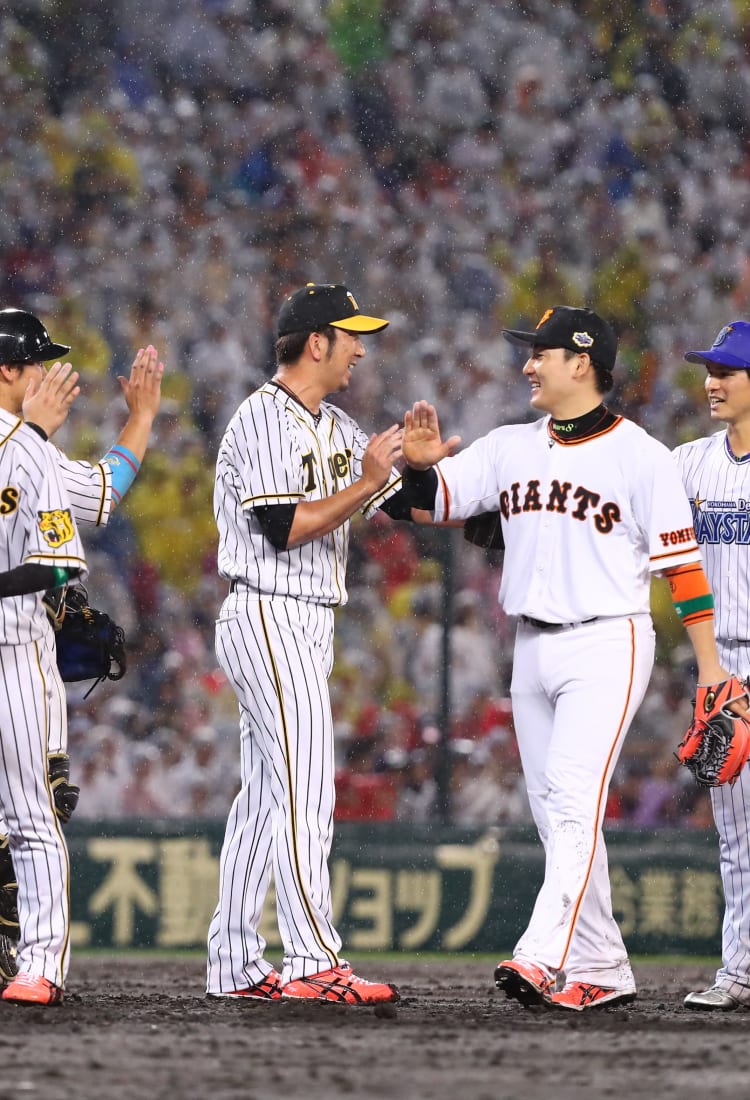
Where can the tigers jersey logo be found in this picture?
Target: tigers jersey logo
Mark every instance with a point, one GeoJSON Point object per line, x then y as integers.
{"type": "Point", "coordinates": [56, 526]}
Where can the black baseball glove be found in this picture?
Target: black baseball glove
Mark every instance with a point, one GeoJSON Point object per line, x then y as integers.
{"type": "Point", "coordinates": [9, 928]}
{"type": "Point", "coordinates": [485, 530]}
{"type": "Point", "coordinates": [65, 793]}
{"type": "Point", "coordinates": [90, 646]}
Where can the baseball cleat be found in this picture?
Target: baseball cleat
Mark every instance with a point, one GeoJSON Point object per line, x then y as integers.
{"type": "Point", "coordinates": [524, 981]}
{"type": "Point", "coordinates": [28, 990]}
{"type": "Point", "coordinates": [581, 995]}
{"type": "Point", "coordinates": [714, 999]}
{"type": "Point", "coordinates": [269, 989]}
{"type": "Point", "coordinates": [341, 985]}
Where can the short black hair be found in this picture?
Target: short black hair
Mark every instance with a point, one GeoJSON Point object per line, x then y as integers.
{"type": "Point", "coordinates": [603, 375]}
{"type": "Point", "coordinates": [289, 348]}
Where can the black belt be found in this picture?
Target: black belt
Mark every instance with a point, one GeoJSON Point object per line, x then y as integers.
{"type": "Point", "coordinates": [539, 624]}
{"type": "Point", "coordinates": [237, 583]}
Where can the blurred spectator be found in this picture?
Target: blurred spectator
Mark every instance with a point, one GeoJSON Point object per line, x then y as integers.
{"type": "Point", "coordinates": [176, 182]}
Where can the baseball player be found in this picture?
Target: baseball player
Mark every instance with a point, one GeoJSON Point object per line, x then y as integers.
{"type": "Point", "coordinates": [39, 548]}
{"type": "Point", "coordinates": [590, 507]}
{"type": "Point", "coordinates": [94, 490]}
{"type": "Point", "coordinates": [291, 471]}
{"type": "Point", "coordinates": [716, 474]}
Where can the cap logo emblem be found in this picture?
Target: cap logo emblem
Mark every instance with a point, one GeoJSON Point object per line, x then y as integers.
{"type": "Point", "coordinates": [723, 335]}
{"type": "Point", "coordinates": [545, 317]}
{"type": "Point", "coordinates": [352, 299]}
{"type": "Point", "coordinates": [582, 339]}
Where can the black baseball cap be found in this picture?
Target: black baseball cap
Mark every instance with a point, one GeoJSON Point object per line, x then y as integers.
{"type": "Point", "coordinates": [319, 304]}
{"type": "Point", "coordinates": [572, 328]}
{"type": "Point", "coordinates": [731, 348]}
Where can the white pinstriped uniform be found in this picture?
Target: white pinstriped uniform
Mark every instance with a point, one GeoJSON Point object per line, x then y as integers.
{"type": "Point", "coordinates": [36, 526]}
{"type": "Point", "coordinates": [718, 485]}
{"type": "Point", "coordinates": [89, 489]}
{"type": "Point", "coordinates": [274, 640]}
{"type": "Point", "coordinates": [585, 524]}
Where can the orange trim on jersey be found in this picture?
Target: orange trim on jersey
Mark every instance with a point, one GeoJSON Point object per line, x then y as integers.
{"type": "Point", "coordinates": [586, 438]}
{"type": "Point", "coordinates": [601, 799]}
{"type": "Point", "coordinates": [674, 553]}
{"type": "Point", "coordinates": [446, 496]}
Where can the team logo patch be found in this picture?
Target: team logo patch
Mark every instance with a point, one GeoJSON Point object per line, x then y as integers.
{"type": "Point", "coordinates": [352, 299]}
{"type": "Point", "coordinates": [545, 317]}
{"type": "Point", "coordinates": [57, 526]}
{"type": "Point", "coordinates": [723, 335]}
{"type": "Point", "coordinates": [582, 339]}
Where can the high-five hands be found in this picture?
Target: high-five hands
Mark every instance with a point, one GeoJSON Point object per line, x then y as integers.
{"type": "Point", "coordinates": [383, 451]}
{"type": "Point", "coordinates": [48, 398]}
{"type": "Point", "coordinates": [421, 445]}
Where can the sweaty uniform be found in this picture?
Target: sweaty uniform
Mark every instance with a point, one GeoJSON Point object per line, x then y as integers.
{"type": "Point", "coordinates": [718, 485]}
{"type": "Point", "coordinates": [274, 641]}
{"type": "Point", "coordinates": [586, 521]}
{"type": "Point", "coordinates": [36, 526]}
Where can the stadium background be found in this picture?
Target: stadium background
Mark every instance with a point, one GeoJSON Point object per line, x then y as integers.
{"type": "Point", "coordinates": [169, 170]}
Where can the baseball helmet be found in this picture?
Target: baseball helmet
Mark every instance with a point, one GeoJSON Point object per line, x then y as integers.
{"type": "Point", "coordinates": [24, 339]}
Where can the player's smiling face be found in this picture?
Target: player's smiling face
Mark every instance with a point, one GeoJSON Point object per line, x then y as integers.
{"type": "Point", "coordinates": [728, 393]}
{"type": "Point", "coordinates": [341, 358]}
{"type": "Point", "coordinates": [551, 377]}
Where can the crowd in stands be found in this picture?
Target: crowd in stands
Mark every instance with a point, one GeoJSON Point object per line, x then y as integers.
{"type": "Point", "coordinates": [169, 171]}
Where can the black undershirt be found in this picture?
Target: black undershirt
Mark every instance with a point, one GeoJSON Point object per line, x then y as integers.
{"type": "Point", "coordinates": [582, 427]}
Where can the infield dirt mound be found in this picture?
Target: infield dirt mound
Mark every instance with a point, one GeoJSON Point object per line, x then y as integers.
{"type": "Point", "coordinates": [142, 1027]}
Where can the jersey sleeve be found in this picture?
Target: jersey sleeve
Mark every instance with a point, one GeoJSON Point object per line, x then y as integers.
{"type": "Point", "coordinates": [89, 489]}
{"type": "Point", "coordinates": [271, 465]}
{"type": "Point", "coordinates": [468, 483]}
{"type": "Point", "coordinates": [53, 537]}
{"type": "Point", "coordinates": [392, 486]}
{"type": "Point", "coordinates": [665, 513]}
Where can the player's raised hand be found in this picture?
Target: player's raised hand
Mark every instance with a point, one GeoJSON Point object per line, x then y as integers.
{"type": "Point", "coordinates": [48, 397]}
{"type": "Point", "coordinates": [422, 445]}
{"type": "Point", "coordinates": [142, 390]}
{"type": "Point", "coordinates": [382, 452]}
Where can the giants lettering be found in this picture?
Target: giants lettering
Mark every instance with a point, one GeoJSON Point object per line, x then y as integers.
{"type": "Point", "coordinates": [558, 499]}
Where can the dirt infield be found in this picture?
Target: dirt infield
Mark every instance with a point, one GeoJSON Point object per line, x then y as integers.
{"type": "Point", "coordinates": [140, 1027]}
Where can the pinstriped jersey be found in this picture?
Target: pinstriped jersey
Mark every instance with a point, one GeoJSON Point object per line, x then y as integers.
{"type": "Point", "coordinates": [275, 451]}
{"type": "Point", "coordinates": [585, 522]}
{"type": "Point", "coordinates": [89, 488]}
{"type": "Point", "coordinates": [718, 485]}
{"type": "Point", "coordinates": [36, 524]}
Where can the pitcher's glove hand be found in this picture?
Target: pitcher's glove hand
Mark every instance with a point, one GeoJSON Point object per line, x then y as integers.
{"type": "Point", "coordinates": [64, 792]}
{"type": "Point", "coordinates": [485, 530]}
{"type": "Point", "coordinates": [90, 646]}
{"type": "Point", "coordinates": [714, 699]}
{"type": "Point", "coordinates": [716, 751]}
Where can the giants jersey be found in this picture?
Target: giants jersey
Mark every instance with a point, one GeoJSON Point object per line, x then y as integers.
{"type": "Point", "coordinates": [36, 524]}
{"type": "Point", "coordinates": [275, 451]}
{"type": "Point", "coordinates": [585, 522]}
{"type": "Point", "coordinates": [718, 485]}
